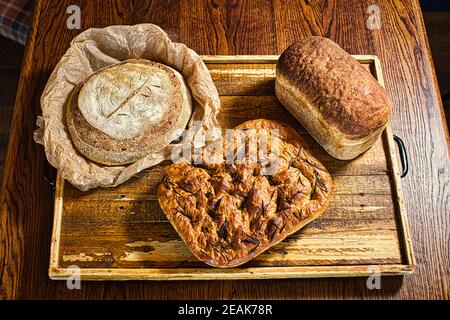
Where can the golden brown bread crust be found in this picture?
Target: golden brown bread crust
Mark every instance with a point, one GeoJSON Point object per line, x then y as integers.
{"type": "Point", "coordinates": [347, 96]}
{"type": "Point", "coordinates": [229, 213]}
{"type": "Point", "coordinates": [100, 147]}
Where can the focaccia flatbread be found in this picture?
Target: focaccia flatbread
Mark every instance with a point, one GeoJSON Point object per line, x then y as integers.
{"type": "Point", "coordinates": [228, 213]}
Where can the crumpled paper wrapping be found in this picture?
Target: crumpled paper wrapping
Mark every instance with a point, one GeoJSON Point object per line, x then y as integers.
{"type": "Point", "coordinates": [95, 49]}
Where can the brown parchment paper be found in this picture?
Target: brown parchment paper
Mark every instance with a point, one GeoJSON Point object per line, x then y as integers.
{"type": "Point", "coordinates": [97, 48]}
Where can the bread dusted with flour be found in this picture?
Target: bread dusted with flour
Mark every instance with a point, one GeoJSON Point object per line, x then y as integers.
{"type": "Point", "coordinates": [338, 101]}
{"type": "Point", "coordinates": [128, 110]}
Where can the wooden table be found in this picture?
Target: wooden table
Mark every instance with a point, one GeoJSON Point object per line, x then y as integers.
{"type": "Point", "coordinates": [237, 27]}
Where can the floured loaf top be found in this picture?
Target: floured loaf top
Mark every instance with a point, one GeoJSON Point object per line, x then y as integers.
{"type": "Point", "coordinates": [126, 99]}
{"type": "Point", "coordinates": [129, 110]}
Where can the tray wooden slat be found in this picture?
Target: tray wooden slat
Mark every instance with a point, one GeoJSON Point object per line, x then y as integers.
{"type": "Point", "coordinates": [122, 234]}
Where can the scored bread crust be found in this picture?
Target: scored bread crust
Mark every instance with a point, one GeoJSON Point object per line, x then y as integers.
{"type": "Point", "coordinates": [104, 149]}
{"type": "Point", "coordinates": [333, 96]}
{"type": "Point", "coordinates": [228, 214]}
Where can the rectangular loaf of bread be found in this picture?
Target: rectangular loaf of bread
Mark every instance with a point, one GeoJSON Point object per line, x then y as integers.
{"type": "Point", "coordinates": [333, 96]}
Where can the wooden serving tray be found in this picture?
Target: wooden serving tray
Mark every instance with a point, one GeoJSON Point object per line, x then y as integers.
{"type": "Point", "coordinates": [122, 234]}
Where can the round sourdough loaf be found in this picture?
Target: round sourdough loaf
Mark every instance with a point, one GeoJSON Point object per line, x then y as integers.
{"type": "Point", "coordinates": [127, 111]}
{"type": "Point", "coordinates": [333, 96]}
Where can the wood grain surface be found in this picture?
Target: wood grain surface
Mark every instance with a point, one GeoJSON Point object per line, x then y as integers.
{"type": "Point", "coordinates": [237, 27]}
{"type": "Point", "coordinates": [10, 60]}
{"type": "Point", "coordinates": [122, 233]}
